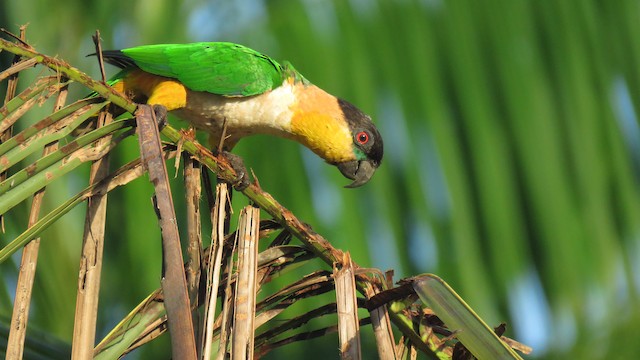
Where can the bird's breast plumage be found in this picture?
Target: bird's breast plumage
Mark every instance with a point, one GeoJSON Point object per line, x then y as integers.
{"type": "Point", "coordinates": [267, 113]}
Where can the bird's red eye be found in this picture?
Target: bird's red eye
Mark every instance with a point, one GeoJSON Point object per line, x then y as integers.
{"type": "Point", "coordinates": [362, 137]}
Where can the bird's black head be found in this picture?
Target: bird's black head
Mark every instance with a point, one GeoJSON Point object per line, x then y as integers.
{"type": "Point", "coordinates": [367, 146]}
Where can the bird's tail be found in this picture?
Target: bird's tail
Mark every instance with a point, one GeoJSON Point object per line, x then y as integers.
{"type": "Point", "coordinates": [117, 58]}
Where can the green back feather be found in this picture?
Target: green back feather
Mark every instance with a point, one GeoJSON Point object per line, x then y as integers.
{"type": "Point", "coordinates": [217, 67]}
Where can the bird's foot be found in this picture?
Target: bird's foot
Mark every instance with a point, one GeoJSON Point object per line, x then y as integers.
{"type": "Point", "coordinates": [242, 177]}
{"type": "Point", "coordinates": [160, 113]}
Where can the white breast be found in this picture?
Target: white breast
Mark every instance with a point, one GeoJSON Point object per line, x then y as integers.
{"type": "Point", "coordinates": [267, 113]}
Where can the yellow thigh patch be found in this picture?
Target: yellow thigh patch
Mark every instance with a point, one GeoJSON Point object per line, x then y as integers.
{"type": "Point", "coordinates": [158, 90]}
{"type": "Point", "coordinates": [171, 94]}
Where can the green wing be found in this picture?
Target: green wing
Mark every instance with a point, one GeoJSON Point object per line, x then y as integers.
{"type": "Point", "coordinates": [217, 67]}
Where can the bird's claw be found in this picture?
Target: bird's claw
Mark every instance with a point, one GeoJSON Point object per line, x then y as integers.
{"type": "Point", "coordinates": [242, 178]}
{"type": "Point", "coordinates": [160, 113]}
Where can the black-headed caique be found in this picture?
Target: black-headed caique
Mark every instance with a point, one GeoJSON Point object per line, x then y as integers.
{"type": "Point", "coordinates": [210, 84]}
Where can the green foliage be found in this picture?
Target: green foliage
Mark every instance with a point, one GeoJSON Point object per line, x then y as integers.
{"type": "Point", "coordinates": [511, 152]}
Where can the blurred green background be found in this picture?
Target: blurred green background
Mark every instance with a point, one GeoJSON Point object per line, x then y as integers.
{"type": "Point", "coordinates": [511, 164]}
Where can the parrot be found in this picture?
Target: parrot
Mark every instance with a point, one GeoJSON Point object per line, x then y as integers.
{"type": "Point", "coordinates": [227, 88]}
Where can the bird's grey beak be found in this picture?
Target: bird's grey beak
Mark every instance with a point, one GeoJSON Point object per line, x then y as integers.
{"type": "Point", "coordinates": [358, 171]}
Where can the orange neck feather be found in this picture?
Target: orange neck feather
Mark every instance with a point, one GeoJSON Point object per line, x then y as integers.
{"type": "Point", "coordinates": [319, 124]}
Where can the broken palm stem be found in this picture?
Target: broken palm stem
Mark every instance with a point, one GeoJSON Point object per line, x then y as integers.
{"type": "Point", "coordinates": [174, 282]}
